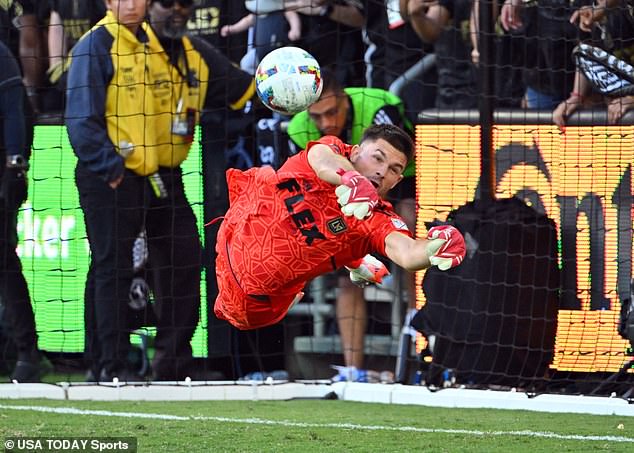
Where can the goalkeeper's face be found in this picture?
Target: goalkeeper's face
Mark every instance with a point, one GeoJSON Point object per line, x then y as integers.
{"type": "Point", "coordinates": [380, 162]}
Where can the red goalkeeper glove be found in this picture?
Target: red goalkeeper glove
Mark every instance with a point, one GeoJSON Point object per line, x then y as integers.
{"type": "Point", "coordinates": [366, 271]}
{"type": "Point", "coordinates": [356, 194]}
{"type": "Point", "coordinates": [446, 248]}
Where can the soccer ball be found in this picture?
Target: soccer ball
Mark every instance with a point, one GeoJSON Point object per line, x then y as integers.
{"type": "Point", "coordinates": [288, 80]}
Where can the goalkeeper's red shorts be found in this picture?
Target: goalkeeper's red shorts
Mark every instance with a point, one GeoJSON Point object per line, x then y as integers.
{"type": "Point", "coordinates": [233, 304]}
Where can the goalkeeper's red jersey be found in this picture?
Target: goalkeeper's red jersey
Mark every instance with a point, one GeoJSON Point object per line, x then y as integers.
{"type": "Point", "coordinates": [283, 229]}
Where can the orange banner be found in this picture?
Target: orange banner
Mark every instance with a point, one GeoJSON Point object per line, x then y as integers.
{"type": "Point", "coordinates": [583, 181]}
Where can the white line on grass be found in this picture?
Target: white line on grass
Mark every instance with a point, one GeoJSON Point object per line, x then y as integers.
{"type": "Point", "coordinates": [75, 411]}
{"type": "Point", "coordinates": [287, 423]}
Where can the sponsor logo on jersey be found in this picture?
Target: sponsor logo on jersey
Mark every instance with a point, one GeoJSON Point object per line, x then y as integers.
{"type": "Point", "coordinates": [337, 225]}
{"type": "Point", "coordinates": [303, 219]}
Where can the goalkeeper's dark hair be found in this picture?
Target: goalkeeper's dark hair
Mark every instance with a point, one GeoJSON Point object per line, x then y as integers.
{"type": "Point", "coordinates": [392, 134]}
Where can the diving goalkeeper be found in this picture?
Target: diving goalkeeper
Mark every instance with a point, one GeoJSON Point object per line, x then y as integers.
{"type": "Point", "coordinates": [323, 209]}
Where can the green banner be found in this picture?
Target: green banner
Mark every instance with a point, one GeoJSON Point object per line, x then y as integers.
{"type": "Point", "coordinates": [54, 249]}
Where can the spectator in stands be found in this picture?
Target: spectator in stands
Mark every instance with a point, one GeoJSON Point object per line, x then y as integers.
{"type": "Point", "coordinates": [549, 68]}
{"type": "Point", "coordinates": [393, 49]}
{"type": "Point", "coordinates": [346, 113]}
{"type": "Point", "coordinates": [9, 34]}
{"type": "Point", "coordinates": [16, 136]}
{"type": "Point", "coordinates": [131, 131]}
{"type": "Point", "coordinates": [69, 20]}
{"type": "Point", "coordinates": [331, 32]}
{"type": "Point", "coordinates": [222, 129]}
{"type": "Point", "coordinates": [509, 49]}
{"type": "Point", "coordinates": [20, 30]}
{"type": "Point", "coordinates": [272, 28]}
{"type": "Point", "coordinates": [613, 21]}
{"type": "Point", "coordinates": [322, 209]}
{"type": "Point", "coordinates": [443, 23]}
{"type": "Point", "coordinates": [208, 18]}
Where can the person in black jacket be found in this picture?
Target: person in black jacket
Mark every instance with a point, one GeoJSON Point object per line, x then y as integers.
{"type": "Point", "coordinates": [16, 136]}
{"type": "Point", "coordinates": [445, 24]}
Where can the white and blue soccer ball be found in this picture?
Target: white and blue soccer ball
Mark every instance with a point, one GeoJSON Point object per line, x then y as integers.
{"type": "Point", "coordinates": [288, 80]}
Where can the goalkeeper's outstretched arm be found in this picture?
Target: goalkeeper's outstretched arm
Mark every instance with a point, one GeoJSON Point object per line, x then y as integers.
{"type": "Point", "coordinates": [444, 247]}
{"type": "Point", "coordinates": [355, 193]}
{"type": "Point", "coordinates": [325, 162]}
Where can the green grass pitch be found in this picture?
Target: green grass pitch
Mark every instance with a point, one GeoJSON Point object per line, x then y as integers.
{"type": "Point", "coordinates": [315, 426]}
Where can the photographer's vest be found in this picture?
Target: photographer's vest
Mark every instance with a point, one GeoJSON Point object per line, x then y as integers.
{"type": "Point", "coordinates": [148, 95]}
